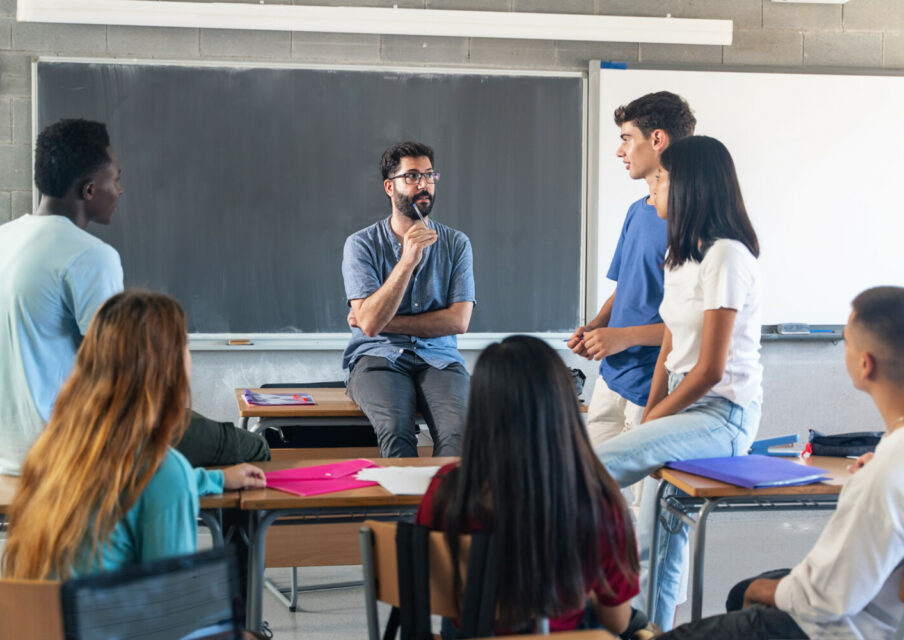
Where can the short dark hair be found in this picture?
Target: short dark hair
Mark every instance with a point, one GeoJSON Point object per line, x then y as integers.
{"type": "Point", "coordinates": [661, 110]}
{"type": "Point", "coordinates": [67, 151]}
{"type": "Point", "coordinates": [529, 474]}
{"type": "Point", "coordinates": [392, 157]}
{"type": "Point", "coordinates": [705, 202]}
{"type": "Point", "coordinates": [880, 313]}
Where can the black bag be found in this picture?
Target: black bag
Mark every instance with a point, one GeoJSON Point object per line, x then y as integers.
{"type": "Point", "coordinates": [843, 444]}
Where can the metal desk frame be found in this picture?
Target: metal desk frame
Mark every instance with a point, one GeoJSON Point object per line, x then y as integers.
{"type": "Point", "coordinates": [264, 518]}
{"type": "Point", "coordinates": [684, 506]}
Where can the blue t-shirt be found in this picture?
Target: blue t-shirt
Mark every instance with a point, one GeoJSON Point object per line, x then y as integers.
{"type": "Point", "coordinates": [637, 268]}
{"type": "Point", "coordinates": [445, 275]}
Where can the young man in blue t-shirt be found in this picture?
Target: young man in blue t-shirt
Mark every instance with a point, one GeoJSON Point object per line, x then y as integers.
{"type": "Point", "coordinates": [627, 332]}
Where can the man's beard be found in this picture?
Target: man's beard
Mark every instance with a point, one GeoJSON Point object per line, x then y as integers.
{"type": "Point", "coordinates": [404, 204]}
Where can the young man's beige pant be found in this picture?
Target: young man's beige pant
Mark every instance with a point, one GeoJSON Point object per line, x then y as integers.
{"type": "Point", "coordinates": [610, 414]}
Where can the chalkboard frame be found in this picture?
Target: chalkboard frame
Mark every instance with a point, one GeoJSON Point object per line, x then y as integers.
{"type": "Point", "coordinates": [330, 340]}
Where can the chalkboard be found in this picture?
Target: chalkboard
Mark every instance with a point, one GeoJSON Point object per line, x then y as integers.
{"type": "Point", "coordinates": [816, 156]}
{"type": "Point", "coordinates": [241, 183]}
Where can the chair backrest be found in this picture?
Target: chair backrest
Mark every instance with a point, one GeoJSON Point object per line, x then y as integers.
{"type": "Point", "coordinates": [381, 580]}
{"type": "Point", "coordinates": [197, 595]}
{"type": "Point", "coordinates": [379, 539]}
{"type": "Point", "coordinates": [30, 609]}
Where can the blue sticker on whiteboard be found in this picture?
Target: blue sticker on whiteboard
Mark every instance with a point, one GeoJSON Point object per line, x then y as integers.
{"type": "Point", "coordinates": [606, 64]}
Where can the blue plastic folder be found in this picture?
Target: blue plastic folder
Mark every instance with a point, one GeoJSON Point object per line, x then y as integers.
{"type": "Point", "coordinates": [753, 471]}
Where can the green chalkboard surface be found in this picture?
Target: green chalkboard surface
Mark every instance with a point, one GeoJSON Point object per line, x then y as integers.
{"type": "Point", "coordinates": [241, 184]}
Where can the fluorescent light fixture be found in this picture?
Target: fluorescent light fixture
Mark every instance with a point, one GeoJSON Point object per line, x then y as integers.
{"type": "Point", "coordinates": [810, 1]}
{"type": "Point", "coordinates": [416, 22]}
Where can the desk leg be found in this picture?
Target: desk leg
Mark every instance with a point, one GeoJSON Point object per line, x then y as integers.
{"type": "Point", "coordinates": [653, 560]}
{"type": "Point", "coordinates": [245, 423]}
{"type": "Point", "coordinates": [699, 550]}
{"type": "Point", "coordinates": [256, 558]}
{"type": "Point", "coordinates": [213, 524]}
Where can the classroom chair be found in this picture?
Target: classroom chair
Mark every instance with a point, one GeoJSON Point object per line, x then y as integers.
{"type": "Point", "coordinates": [30, 609]}
{"type": "Point", "coordinates": [197, 595]}
{"type": "Point", "coordinates": [394, 578]}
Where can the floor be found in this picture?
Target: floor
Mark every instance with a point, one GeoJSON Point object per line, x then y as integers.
{"type": "Point", "coordinates": [738, 546]}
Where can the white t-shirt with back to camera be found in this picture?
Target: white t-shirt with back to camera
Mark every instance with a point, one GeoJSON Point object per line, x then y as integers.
{"type": "Point", "coordinates": [728, 277]}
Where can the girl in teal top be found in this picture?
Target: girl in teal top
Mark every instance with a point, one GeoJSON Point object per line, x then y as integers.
{"type": "Point", "coordinates": [101, 487]}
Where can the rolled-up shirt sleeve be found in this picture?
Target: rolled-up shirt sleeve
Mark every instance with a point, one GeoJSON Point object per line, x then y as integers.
{"type": "Point", "coordinates": [359, 269]}
{"type": "Point", "coordinates": [461, 285]}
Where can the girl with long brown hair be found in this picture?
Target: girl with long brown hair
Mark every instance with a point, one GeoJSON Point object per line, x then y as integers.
{"type": "Point", "coordinates": [102, 487]}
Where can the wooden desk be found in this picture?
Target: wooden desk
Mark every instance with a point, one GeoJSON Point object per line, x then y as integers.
{"type": "Point", "coordinates": [331, 403]}
{"type": "Point", "coordinates": [705, 496]}
{"type": "Point", "coordinates": [355, 505]}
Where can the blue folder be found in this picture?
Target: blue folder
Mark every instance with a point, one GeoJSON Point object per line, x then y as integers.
{"type": "Point", "coordinates": [753, 471]}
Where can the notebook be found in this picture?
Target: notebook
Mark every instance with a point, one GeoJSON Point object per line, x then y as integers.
{"type": "Point", "coordinates": [753, 471]}
{"type": "Point", "coordinates": [277, 399]}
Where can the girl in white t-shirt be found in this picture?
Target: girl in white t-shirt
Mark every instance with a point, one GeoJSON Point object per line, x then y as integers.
{"type": "Point", "coordinates": [707, 386]}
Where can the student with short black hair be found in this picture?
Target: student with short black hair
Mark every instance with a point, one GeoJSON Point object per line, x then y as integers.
{"type": "Point", "coordinates": [626, 333]}
{"type": "Point", "coordinates": [706, 390]}
{"type": "Point", "coordinates": [55, 276]}
{"type": "Point", "coordinates": [847, 585]}
{"type": "Point", "coordinates": [561, 529]}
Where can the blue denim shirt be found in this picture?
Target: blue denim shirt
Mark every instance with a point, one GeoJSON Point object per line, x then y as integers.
{"type": "Point", "coordinates": [445, 275]}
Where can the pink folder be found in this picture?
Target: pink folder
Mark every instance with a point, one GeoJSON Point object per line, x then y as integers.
{"type": "Point", "coordinates": [324, 478]}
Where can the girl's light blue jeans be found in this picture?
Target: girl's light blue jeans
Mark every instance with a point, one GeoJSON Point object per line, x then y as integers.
{"type": "Point", "coordinates": [711, 427]}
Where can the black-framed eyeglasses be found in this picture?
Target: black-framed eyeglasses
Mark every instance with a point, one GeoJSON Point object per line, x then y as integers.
{"type": "Point", "coordinates": [414, 177]}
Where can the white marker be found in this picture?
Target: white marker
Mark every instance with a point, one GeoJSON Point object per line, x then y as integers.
{"type": "Point", "coordinates": [418, 212]}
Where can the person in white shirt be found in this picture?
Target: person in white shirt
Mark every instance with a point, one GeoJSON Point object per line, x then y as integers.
{"type": "Point", "coordinates": [847, 586]}
{"type": "Point", "coordinates": [706, 390]}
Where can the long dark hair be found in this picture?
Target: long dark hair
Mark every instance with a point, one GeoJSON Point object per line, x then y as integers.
{"type": "Point", "coordinates": [705, 202]}
{"type": "Point", "coordinates": [528, 472]}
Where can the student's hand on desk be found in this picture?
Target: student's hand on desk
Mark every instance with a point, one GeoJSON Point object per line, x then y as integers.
{"type": "Point", "coordinates": [860, 462]}
{"type": "Point", "coordinates": [605, 341]}
{"type": "Point", "coordinates": [243, 476]}
{"type": "Point", "coordinates": [416, 239]}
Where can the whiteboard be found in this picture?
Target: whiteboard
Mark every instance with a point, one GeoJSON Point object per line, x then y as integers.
{"type": "Point", "coordinates": [820, 159]}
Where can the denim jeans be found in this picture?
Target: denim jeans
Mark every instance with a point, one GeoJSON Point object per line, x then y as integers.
{"type": "Point", "coordinates": [711, 427]}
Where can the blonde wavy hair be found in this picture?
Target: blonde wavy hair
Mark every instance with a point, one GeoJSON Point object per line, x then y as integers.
{"type": "Point", "coordinates": [122, 407]}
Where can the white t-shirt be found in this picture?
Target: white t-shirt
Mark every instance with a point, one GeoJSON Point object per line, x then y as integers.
{"type": "Point", "coordinates": [848, 583]}
{"type": "Point", "coordinates": [727, 277]}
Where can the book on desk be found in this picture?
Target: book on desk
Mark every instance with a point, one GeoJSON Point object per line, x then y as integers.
{"type": "Point", "coordinates": [752, 471]}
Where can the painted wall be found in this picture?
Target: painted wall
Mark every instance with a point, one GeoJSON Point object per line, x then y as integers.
{"type": "Point", "coordinates": [805, 383]}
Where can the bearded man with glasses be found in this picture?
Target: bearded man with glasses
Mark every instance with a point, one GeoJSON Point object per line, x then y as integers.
{"type": "Point", "coordinates": [410, 284]}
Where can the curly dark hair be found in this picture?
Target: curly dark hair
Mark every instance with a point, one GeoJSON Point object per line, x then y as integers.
{"type": "Point", "coordinates": [392, 157]}
{"type": "Point", "coordinates": [661, 110]}
{"type": "Point", "coordinates": [67, 151]}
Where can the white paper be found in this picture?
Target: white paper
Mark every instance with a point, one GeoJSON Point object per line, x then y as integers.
{"type": "Point", "coordinates": [400, 481]}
